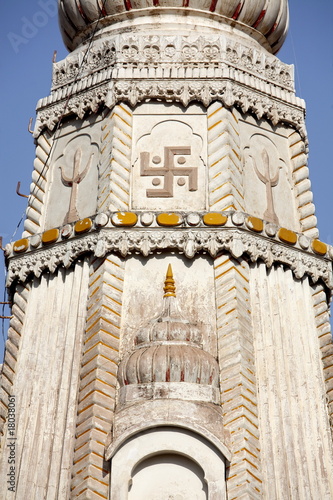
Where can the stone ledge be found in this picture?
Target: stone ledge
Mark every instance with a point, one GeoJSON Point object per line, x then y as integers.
{"type": "Point", "coordinates": [205, 90]}
{"type": "Point", "coordinates": [240, 242]}
{"type": "Point", "coordinates": [169, 390]}
{"type": "Point", "coordinates": [164, 221]}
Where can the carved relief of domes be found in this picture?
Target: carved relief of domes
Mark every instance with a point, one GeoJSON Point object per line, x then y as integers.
{"type": "Point", "coordinates": [168, 349]}
{"type": "Point", "coordinates": [268, 18]}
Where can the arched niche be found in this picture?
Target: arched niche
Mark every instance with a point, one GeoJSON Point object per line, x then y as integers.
{"type": "Point", "coordinates": [168, 476]}
{"type": "Point", "coordinates": [167, 463]}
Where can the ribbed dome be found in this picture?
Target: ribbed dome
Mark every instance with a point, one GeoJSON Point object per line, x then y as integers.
{"type": "Point", "coordinates": [268, 17]}
{"type": "Point", "coordinates": [168, 349]}
{"type": "Point", "coordinates": [170, 326]}
{"type": "Point", "coordinates": [169, 363]}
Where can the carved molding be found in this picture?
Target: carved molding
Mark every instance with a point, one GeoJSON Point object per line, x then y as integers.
{"type": "Point", "coordinates": [205, 90]}
{"type": "Point", "coordinates": [306, 208]}
{"type": "Point", "coordinates": [189, 241]}
{"type": "Point", "coordinates": [224, 160]}
{"type": "Point", "coordinates": [173, 68]}
{"type": "Point", "coordinates": [322, 318]}
{"type": "Point", "coordinates": [238, 376]}
{"type": "Point", "coordinates": [34, 211]}
{"type": "Point", "coordinates": [13, 344]}
{"type": "Point", "coordinates": [114, 181]}
{"type": "Point", "coordinates": [169, 51]}
{"type": "Point", "coordinates": [98, 376]}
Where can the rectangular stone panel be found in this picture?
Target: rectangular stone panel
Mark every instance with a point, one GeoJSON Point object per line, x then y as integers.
{"type": "Point", "coordinates": [169, 157]}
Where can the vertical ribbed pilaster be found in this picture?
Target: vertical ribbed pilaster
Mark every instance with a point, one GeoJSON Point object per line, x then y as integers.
{"type": "Point", "coordinates": [296, 444]}
{"type": "Point", "coordinates": [306, 208]}
{"type": "Point", "coordinates": [12, 350]}
{"type": "Point", "coordinates": [224, 160]}
{"type": "Point", "coordinates": [325, 341]}
{"type": "Point", "coordinates": [38, 186]}
{"type": "Point", "coordinates": [114, 184]}
{"type": "Point", "coordinates": [237, 376]}
{"type": "Point", "coordinates": [46, 384]}
{"type": "Point", "coordinates": [90, 473]}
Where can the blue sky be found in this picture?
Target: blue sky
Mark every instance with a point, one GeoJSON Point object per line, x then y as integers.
{"type": "Point", "coordinates": [29, 36]}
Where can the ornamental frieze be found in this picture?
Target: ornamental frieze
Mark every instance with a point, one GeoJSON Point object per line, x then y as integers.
{"type": "Point", "coordinates": [205, 90]}
{"type": "Point", "coordinates": [212, 233]}
{"type": "Point", "coordinates": [177, 68]}
{"type": "Point", "coordinates": [170, 51]}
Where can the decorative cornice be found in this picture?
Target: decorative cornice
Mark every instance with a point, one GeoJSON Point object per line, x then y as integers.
{"type": "Point", "coordinates": [172, 51]}
{"type": "Point", "coordinates": [172, 68]}
{"type": "Point", "coordinates": [181, 220]}
{"type": "Point", "coordinates": [190, 241]}
{"type": "Point", "coordinates": [205, 90]}
{"type": "Point", "coordinates": [79, 104]}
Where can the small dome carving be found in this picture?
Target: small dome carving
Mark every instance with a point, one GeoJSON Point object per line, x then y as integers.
{"type": "Point", "coordinates": [169, 326]}
{"type": "Point", "coordinates": [168, 349]}
{"type": "Point", "coordinates": [77, 18]}
{"type": "Point", "coordinates": [169, 363]}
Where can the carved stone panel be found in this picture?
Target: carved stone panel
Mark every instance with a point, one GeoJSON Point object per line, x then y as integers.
{"type": "Point", "coordinates": [268, 184]}
{"type": "Point", "coordinates": [72, 193]}
{"type": "Point", "coordinates": [169, 158]}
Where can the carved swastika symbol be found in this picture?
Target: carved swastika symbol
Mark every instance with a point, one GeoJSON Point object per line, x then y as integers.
{"type": "Point", "coordinates": [168, 171]}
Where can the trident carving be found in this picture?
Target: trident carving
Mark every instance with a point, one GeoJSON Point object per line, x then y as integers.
{"type": "Point", "coordinates": [72, 213]}
{"type": "Point", "coordinates": [269, 182]}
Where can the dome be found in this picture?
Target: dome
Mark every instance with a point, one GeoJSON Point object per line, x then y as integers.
{"type": "Point", "coordinates": [169, 326]}
{"type": "Point", "coordinates": [169, 363]}
{"type": "Point", "coordinates": [168, 349]}
{"type": "Point", "coordinates": [268, 18]}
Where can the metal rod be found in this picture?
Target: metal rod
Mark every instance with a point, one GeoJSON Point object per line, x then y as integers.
{"type": "Point", "coordinates": [18, 191]}
{"type": "Point", "coordinates": [30, 129]}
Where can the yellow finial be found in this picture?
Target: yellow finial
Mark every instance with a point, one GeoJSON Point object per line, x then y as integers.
{"type": "Point", "coordinates": [169, 284]}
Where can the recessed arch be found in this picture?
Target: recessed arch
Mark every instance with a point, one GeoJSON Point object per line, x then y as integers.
{"type": "Point", "coordinates": [175, 453]}
{"type": "Point", "coordinates": [168, 475]}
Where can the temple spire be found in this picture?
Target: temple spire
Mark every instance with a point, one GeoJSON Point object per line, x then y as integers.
{"type": "Point", "coordinates": [169, 284]}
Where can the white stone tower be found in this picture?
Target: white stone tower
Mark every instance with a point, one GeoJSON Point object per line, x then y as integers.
{"type": "Point", "coordinates": [170, 336]}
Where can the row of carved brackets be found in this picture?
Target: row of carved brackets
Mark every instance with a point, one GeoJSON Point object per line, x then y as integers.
{"type": "Point", "coordinates": [234, 238]}
{"type": "Point", "coordinates": [204, 90]}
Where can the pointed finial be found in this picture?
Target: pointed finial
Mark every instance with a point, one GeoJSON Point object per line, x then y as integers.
{"type": "Point", "coordinates": [169, 284]}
